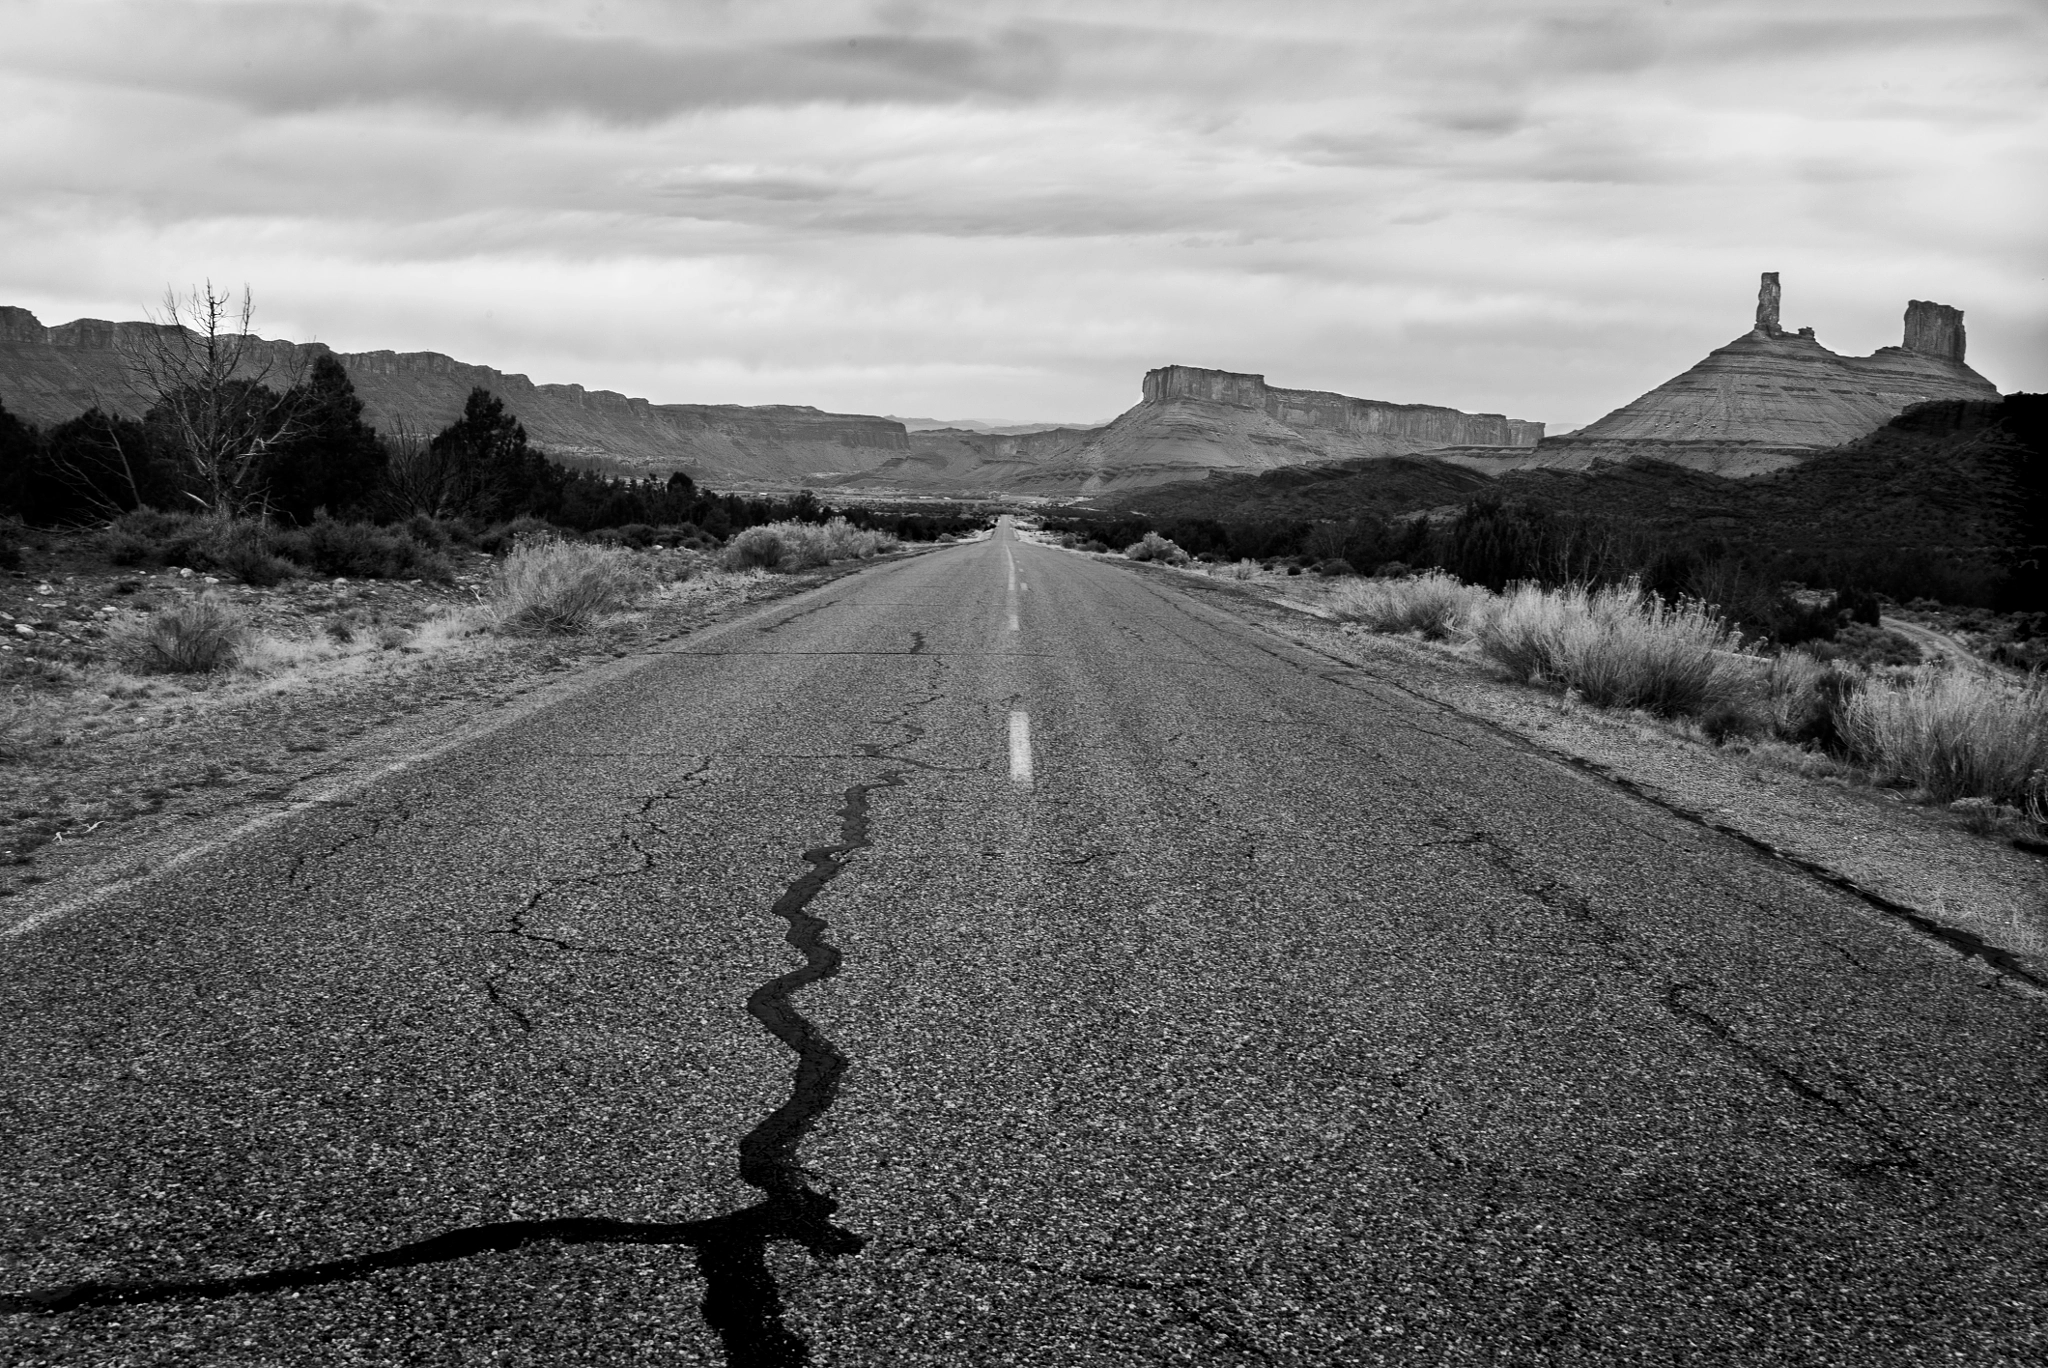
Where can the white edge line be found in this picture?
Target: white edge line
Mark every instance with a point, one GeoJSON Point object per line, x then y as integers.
{"type": "Point", "coordinates": [325, 798]}
{"type": "Point", "coordinates": [546, 695]}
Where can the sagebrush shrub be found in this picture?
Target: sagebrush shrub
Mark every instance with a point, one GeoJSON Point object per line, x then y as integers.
{"type": "Point", "coordinates": [1435, 604]}
{"type": "Point", "coordinates": [549, 585]}
{"type": "Point", "coordinates": [126, 548]}
{"type": "Point", "coordinates": [1803, 700]}
{"type": "Point", "coordinates": [428, 532]}
{"type": "Point", "coordinates": [193, 636]}
{"type": "Point", "coordinates": [356, 550]}
{"type": "Point", "coordinates": [844, 541]}
{"type": "Point", "coordinates": [754, 548]}
{"type": "Point", "coordinates": [791, 546]}
{"type": "Point", "coordinates": [1153, 547]}
{"type": "Point", "coordinates": [242, 549]}
{"type": "Point", "coordinates": [1523, 633]}
{"type": "Point", "coordinates": [499, 538]}
{"type": "Point", "coordinates": [1620, 647]}
{"type": "Point", "coordinates": [1953, 733]}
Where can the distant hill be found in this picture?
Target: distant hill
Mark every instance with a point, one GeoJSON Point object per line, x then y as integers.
{"type": "Point", "coordinates": [1768, 401]}
{"type": "Point", "coordinates": [50, 374]}
{"type": "Point", "coordinates": [1387, 486]}
{"type": "Point", "coordinates": [976, 425]}
{"type": "Point", "coordinates": [1189, 423]}
{"type": "Point", "coordinates": [1961, 481]}
{"type": "Point", "coordinates": [1957, 477]}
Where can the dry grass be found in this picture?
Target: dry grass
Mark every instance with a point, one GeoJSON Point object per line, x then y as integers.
{"type": "Point", "coordinates": [1953, 733]}
{"type": "Point", "coordinates": [553, 586]}
{"type": "Point", "coordinates": [1618, 647]}
{"type": "Point", "coordinates": [199, 635]}
{"type": "Point", "coordinates": [26, 724]}
{"type": "Point", "coordinates": [1437, 605]}
{"type": "Point", "coordinates": [446, 628]}
{"type": "Point", "coordinates": [793, 546]}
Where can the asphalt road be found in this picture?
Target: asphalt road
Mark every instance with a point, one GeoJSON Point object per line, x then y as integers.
{"type": "Point", "coordinates": [756, 1007]}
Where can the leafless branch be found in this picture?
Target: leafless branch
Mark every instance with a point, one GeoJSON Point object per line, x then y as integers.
{"type": "Point", "coordinates": [210, 383]}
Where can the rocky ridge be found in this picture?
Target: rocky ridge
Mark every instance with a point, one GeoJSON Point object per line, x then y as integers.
{"type": "Point", "coordinates": [1191, 422]}
{"type": "Point", "coordinates": [50, 374]}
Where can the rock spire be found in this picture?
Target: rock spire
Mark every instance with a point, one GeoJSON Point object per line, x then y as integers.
{"type": "Point", "coordinates": [1768, 298]}
{"type": "Point", "coordinates": [1772, 387]}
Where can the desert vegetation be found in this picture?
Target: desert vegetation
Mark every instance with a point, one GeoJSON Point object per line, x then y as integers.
{"type": "Point", "coordinates": [1153, 547]}
{"type": "Point", "coordinates": [302, 558]}
{"type": "Point", "coordinates": [197, 635]}
{"type": "Point", "coordinates": [546, 584]}
{"type": "Point", "coordinates": [1945, 732]}
{"type": "Point", "coordinates": [791, 545]}
{"type": "Point", "coordinates": [234, 471]}
{"type": "Point", "coordinates": [1825, 600]}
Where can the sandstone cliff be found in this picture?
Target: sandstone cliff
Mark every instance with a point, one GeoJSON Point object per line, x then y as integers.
{"type": "Point", "coordinates": [50, 374]}
{"type": "Point", "coordinates": [1191, 422]}
{"type": "Point", "coordinates": [1394, 428]}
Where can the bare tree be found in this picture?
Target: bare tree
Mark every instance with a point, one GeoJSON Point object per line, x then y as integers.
{"type": "Point", "coordinates": [210, 379]}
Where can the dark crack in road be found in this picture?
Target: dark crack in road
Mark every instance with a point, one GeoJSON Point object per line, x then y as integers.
{"type": "Point", "coordinates": [742, 1303]}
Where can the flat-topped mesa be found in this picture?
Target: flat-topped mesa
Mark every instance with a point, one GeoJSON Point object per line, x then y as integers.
{"type": "Point", "coordinates": [1935, 330]}
{"type": "Point", "coordinates": [1773, 388]}
{"type": "Point", "coordinates": [1411, 427]}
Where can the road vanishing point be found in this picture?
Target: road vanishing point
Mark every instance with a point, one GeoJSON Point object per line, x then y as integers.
{"type": "Point", "coordinates": [999, 956]}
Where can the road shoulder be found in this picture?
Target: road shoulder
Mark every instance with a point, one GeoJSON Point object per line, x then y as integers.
{"type": "Point", "coordinates": [1906, 860]}
{"type": "Point", "coordinates": [211, 765]}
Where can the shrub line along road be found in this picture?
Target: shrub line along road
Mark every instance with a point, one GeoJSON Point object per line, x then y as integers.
{"type": "Point", "coordinates": [1001, 957]}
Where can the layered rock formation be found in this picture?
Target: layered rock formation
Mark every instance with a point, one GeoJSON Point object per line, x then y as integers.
{"type": "Point", "coordinates": [50, 374]}
{"type": "Point", "coordinates": [1192, 422]}
{"type": "Point", "coordinates": [1770, 388]}
{"type": "Point", "coordinates": [1393, 428]}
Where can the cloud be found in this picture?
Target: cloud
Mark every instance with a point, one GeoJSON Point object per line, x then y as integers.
{"type": "Point", "coordinates": [298, 58]}
{"type": "Point", "coordinates": [1016, 208]}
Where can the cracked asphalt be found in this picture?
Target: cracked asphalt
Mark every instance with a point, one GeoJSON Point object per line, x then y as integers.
{"type": "Point", "coordinates": [1280, 1019]}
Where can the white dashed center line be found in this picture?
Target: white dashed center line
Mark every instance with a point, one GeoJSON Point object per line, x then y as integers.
{"type": "Point", "coordinates": [1011, 595]}
{"type": "Point", "coordinates": [1020, 748]}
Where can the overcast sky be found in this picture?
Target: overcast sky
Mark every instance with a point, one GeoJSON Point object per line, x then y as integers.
{"type": "Point", "coordinates": [1010, 211]}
